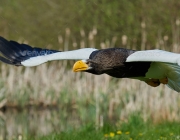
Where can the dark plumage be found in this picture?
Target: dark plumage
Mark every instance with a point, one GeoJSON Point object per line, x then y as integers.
{"type": "Point", "coordinates": [15, 53]}
{"type": "Point", "coordinates": [112, 61]}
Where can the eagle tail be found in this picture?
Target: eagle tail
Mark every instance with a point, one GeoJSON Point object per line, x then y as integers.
{"type": "Point", "coordinates": [174, 77]}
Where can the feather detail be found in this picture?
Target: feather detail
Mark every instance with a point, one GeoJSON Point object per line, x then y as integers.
{"type": "Point", "coordinates": [154, 56]}
{"type": "Point", "coordinates": [68, 55]}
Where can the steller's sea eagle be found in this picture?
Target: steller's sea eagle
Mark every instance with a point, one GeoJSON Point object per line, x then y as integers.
{"type": "Point", "coordinates": [151, 66]}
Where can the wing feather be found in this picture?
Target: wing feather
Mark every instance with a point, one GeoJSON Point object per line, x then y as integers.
{"type": "Point", "coordinates": [154, 56]}
{"type": "Point", "coordinates": [23, 54]}
{"type": "Point", "coordinates": [165, 64]}
{"type": "Point", "coordinates": [67, 55]}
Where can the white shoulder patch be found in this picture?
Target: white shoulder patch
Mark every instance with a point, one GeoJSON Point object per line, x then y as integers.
{"type": "Point", "coordinates": [154, 56]}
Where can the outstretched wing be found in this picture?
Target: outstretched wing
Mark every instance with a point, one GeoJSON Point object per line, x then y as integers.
{"type": "Point", "coordinates": [154, 56]}
{"type": "Point", "coordinates": [25, 55]}
{"type": "Point", "coordinates": [164, 64]}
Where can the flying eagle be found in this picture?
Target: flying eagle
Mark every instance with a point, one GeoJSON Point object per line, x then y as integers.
{"type": "Point", "coordinates": [151, 66]}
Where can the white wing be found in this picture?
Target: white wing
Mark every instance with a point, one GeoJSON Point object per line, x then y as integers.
{"type": "Point", "coordinates": [67, 55]}
{"type": "Point", "coordinates": [164, 64]}
{"type": "Point", "coordinates": [15, 53]}
{"type": "Point", "coordinates": [155, 56]}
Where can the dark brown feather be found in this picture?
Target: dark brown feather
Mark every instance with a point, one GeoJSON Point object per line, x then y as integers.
{"type": "Point", "coordinates": [112, 61]}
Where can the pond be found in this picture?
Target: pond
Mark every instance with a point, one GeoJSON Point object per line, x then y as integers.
{"type": "Point", "coordinates": [37, 122]}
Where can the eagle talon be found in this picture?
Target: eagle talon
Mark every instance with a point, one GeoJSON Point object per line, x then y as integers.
{"type": "Point", "coordinates": [164, 80]}
{"type": "Point", "coordinates": [153, 82]}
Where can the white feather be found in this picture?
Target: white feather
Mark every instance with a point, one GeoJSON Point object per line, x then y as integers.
{"type": "Point", "coordinates": [154, 55]}
{"type": "Point", "coordinates": [164, 64]}
{"type": "Point", "coordinates": [68, 55]}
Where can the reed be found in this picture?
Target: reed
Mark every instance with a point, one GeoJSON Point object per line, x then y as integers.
{"type": "Point", "coordinates": [54, 84]}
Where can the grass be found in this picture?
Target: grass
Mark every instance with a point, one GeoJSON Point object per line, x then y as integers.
{"type": "Point", "coordinates": [87, 92]}
{"type": "Point", "coordinates": [134, 129]}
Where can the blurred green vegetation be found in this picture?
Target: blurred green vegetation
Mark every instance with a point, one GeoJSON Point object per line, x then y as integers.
{"type": "Point", "coordinates": [40, 22]}
{"type": "Point", "coordinates": [135, 129]}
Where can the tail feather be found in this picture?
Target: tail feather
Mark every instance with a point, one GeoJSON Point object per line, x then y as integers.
{"type": "Point", "coordinates": [174, 77]}
{"type": "Point", "coordinates": [14, 53]}
{"type": "Point", "coordinates": [173, 85]}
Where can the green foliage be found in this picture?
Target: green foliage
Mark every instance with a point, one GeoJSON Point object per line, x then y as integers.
{"type": "Point", "coordinates": [40, 22]}
{"type": "Point", "coordinates": [134, 129]}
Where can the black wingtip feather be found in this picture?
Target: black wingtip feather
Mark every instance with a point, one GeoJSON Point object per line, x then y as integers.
{"type": "Point", "coordinates": [14, 53]}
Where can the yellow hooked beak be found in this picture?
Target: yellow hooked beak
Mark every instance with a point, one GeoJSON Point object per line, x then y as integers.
{"type": "Point", "coordinates": [80, 66]}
